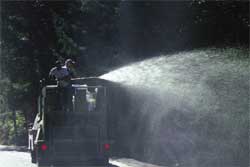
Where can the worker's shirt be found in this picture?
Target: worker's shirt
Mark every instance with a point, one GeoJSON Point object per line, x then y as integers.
{"type": "Point", "coordinates": [71, 71]}
{"type": "Point", "coordinates": [59, 74]}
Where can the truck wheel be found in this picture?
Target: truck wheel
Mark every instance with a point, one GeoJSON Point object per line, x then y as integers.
{"type": "Point", "coordinates": [104, 161]}
{"type": "Point", "coordinates": [42, 165]}
{"type": "Point", "coordinates": [33, 156]}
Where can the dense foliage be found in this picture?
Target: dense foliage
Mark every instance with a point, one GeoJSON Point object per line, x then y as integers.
{"type": "Point", "coordinates": [99, 35]}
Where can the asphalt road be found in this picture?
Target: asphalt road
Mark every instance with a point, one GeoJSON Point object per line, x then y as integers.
{"type": "Point", "coordinates": [18, 157]}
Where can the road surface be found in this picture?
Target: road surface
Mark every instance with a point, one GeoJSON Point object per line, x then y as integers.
{"type": "Point", "coordinates": [18, 157]}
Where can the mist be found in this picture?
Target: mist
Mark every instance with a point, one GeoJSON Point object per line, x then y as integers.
{"type": "Point", "coordinates": [186, 109]}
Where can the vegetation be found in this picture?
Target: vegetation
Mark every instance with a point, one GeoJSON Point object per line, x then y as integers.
{"type": "Point", "coordinates": [99, 35]}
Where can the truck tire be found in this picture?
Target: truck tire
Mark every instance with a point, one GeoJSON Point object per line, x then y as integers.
{"type": "Point", "coordinates": [33, 156]}
{"type": "Point", "coordinates": [103, 161]}
{"type": "Point", "coordinates": [43, 165]}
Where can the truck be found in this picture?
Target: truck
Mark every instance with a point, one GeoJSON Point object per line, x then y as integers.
{"type": "Point", "coordinates": [76, 137]}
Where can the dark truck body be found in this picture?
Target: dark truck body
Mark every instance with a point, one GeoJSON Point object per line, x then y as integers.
{"type": "Point", "coordinates": [71, 138]}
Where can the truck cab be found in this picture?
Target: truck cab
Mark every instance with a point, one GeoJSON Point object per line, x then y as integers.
{"type": "Point", "coordinates": [75, 137]}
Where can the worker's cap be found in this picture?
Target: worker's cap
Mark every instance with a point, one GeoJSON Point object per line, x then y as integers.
{"type": "Point", "coordinates": [69, 61]}
{"type": "Point", "coordinates": [57, 62]}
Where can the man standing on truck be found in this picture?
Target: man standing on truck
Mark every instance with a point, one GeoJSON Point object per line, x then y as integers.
{"type": "Point", "coordinates": [70, 66]}
{"type": "Point", "coordinates": [62, 76]}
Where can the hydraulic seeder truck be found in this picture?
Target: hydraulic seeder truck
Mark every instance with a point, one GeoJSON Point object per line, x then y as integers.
{"type": "Point", "coordinates": [71, 138]}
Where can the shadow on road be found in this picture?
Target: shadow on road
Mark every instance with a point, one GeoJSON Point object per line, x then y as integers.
{"type": "Point", "coordinates": [13, 148]}
{"type": "Point", "coordinates": [109, 165]}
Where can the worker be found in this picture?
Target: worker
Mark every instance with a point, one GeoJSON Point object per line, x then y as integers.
{"type": "Point", "coordinates": [60, 74]}
{"type": "Point", "coordinates": [70, 66]}
{"type": "Point", "coordinates": [62, 77]}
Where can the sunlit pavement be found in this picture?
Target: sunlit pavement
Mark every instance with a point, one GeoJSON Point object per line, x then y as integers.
{"type": "Point", "coordinates": [9, 157]}
{"type": "Point", "coordinates": [15, 159]}
{"type": "Point", "coordinates": [124, 162]}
